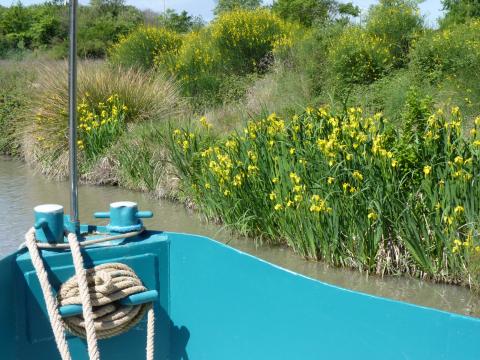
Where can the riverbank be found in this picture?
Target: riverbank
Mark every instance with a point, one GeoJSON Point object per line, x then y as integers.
{"type": "Point", "coordinates": [347, 188]}
{"type": "Point", "coordinates": [333, 187]}
{"type": "Point", "coordinates": [261, 130]}
{"type": "Point", "coordinates": [21, 189]}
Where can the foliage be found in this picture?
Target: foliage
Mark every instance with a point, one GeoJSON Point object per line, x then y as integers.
{"type": "Point", "coordinates": [198, 67]}
{"type": "Point", "coordinates": [45, 27]}
{"type": "Point", "coordinates": [103, 24]}
{"type": "Point", "coordinates": [338, 188]}
{"type": "Point", "coordinates": [143, 162]}
{"type": "Point", "coordinates": [235, 44]}
{"type": "Point", "coordinates": [146, 47]}
{"type": "Point", "coordinates": [244, 38]}
{"type": "Point", "coordinates": [358, 57]}
{"type": "Point", "coordinates": [460, 11]}
{"type": "Point", "coordinates": [398, 23]}
{"type": "Point", "coordinates": [15, 23]}
{"type": "Point", "coordinates": [14, 87]}
{"type": "Point", "coordinates": [231, 5]}
{"type": "Point", "coordinates": [100, 124]}
{"type": "Point", "coordinates": [310, 12]}
{"type": "Point", "coordinates": [138, 96]}
{"type": "Point", "coordinates": [452, 52]}
{"type": "Point", "coordinates": [180, 22]}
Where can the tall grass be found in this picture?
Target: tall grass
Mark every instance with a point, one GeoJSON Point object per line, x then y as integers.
{"type": "Point", "coordinates": [346, 188]}
{"type": "Point", "coordinates": [15, 84]}
{"type": "Point", "coordinates": [143, 161]}
{"type": "Point", "coordinates": [139, 96]}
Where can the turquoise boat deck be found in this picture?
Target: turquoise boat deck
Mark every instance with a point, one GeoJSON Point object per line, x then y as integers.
{"type": "Point", "coordinates": [215, 302]}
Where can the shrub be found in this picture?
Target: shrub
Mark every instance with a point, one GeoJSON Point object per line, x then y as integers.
{"type": "Point", "coordinates": [198, 67]}
{"type": "Point", "coordinates": [244, 38]}
{"type": "Point", "coordinates": [146, 47]}
{"type": "Point", "coordinates": [398, 22]}
{"type": "Point", "coordinates": [138, 96]}
{"type": "Point", "coordinates": [453, 52]}
{"type": "Point", "coordinates": [336, 187]}
{"type": "Point", "coordinates": [309, 12]}
{"type": "Point", "coordinates": [237, 43]}
{"type": "Point", "coordinates": [357, 57]}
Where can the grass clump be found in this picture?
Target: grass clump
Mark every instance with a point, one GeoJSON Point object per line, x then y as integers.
{"type": "Point", "coordinates": [110, 101]}
{"type": "Point", "coordinates": [345, 188]}
{"type": "Point", "coordinates": [143, 161]}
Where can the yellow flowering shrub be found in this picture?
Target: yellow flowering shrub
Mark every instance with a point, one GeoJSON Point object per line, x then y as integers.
{"type": "Point", "coordinates": [146, 47]}
{"type": "Point", "coordinates": [399, 23]}
{"type": "Point", "coordinates": [359, 57]}
{"type": "Point", "coordinates": [245, 37]}
{"type": "Point", "coordinates": [451, 51]}
{"type": "Point", "coordinates": [198, 65]}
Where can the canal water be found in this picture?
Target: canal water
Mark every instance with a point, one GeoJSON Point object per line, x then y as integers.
{"type": "Point", "coordinates": [21, 189]}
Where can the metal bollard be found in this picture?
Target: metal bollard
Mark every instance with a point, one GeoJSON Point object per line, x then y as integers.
{"type": "Point", "coordinates": [124, 217]}
{"type": "Point", "coordinates": [49, 226]}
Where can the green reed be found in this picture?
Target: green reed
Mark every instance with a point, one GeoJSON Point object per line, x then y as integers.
{"type": "Point", "coordinates": [348, 189]}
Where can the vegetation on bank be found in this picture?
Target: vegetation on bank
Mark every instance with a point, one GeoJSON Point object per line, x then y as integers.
{"type": "Point", "coordinates": [111, 101]}
{"type": "Point", "coordinates": [347, 188]}
{"type": "Point", "coordinates": [354, 142]}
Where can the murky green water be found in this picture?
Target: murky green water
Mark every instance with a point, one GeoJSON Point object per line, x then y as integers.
{"type": "Point", "coordinates": [21, 190]}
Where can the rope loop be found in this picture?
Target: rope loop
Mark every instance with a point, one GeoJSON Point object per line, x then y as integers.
{"type": "Point", "coordinates": [99, 291]}
{"type": "Point", "coordinates": [107, 285]}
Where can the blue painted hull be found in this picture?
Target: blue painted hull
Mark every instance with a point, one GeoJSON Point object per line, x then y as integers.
{"type": "Point", "coordinates": [215, 302]}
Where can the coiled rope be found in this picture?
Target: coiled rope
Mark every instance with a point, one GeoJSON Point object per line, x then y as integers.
{"type": "Point", "coordinates": [102, 286]}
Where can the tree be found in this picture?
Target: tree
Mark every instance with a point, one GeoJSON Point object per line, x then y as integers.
{"type": "Point", "coordinates": [180, 22]}
{"type": "Point", "coordinates": [113, 7]}
{"type": "Point", "coordinates": [14, 25]}
{"type": "Point", "coordinates": [229, 5]}
{"type": "Point", "coordinates": [460, 11]}
{"type": "Point", "coordinates": [309, 12]}
{"type": "Point", "coordinates": [103, 23]}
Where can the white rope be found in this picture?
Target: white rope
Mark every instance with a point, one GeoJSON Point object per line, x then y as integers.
{"type": "Point", "coordinates": [108, 283]}
{"type": "Point", "coordinates": [150, 334]}
{"type": "Point", "coordinates": [81, 277]}
{"type": "Point", "coordinates": [101, 287]}
{"type": "Point", "coordinates": [85, 243]}
{"type": "Point", "coordinates": [50, 301]}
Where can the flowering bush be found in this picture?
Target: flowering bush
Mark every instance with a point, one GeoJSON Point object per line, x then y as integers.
{"type": "Point", "coordinates": [338, 188]}
{"type": "Point", "coordinates": [449, 52]}
{"type": "Point", "coordinates": [199, 65]}
{"type": "Point", "coordinates": [244, 38]}
{"type": "Point", "coordinates": [358, 57]}
{"type": "Point", "coordinates": [398, 22]}
{"type": "Point", "coordinates": [146, 47]}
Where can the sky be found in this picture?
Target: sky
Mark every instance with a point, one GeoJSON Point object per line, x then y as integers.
{"type": "Point", "coordinates": [432, 9]}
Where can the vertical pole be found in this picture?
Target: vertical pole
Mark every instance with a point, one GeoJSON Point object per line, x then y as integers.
{"type": "Point", "coordinates": [72, 110]}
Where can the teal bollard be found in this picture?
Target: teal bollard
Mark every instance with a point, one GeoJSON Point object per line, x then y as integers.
{"type": "Point", "coordinates": [49, 225]}
{"type": "Point", "coordinates": [124, 217]}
